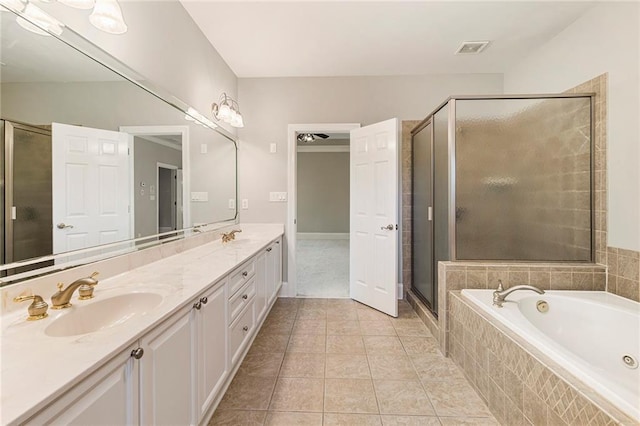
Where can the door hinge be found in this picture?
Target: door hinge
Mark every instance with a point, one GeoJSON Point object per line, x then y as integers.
{"type": "Point", "coordinates": [396, 226]}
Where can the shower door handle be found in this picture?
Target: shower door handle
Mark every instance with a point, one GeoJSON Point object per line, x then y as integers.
{"type": "Point", "coordinates": [63, 226]}
{"type": "Point", "coordinates": [429, 213]}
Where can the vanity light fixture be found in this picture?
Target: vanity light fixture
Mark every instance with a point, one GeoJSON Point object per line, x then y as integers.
{"type": "Point", "coordinates": [227, 110]}
{"type": "Point", "coordinates": [107, 16]}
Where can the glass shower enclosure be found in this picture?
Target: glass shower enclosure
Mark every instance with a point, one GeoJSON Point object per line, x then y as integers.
{"type": "Point", "coordinates": [502, 179]}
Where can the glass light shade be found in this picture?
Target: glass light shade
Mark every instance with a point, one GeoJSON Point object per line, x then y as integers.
{"type": "Point", "coordinates": [232, 116]}
{"type": "Point", "coordinates": [107, 16]}
{"type": "Point", "coordinates": [79, 4]}
{"type": "Point", "coordinates": [37, 21]}
{"type": "Point", "coordinates": [224, 112]}
{"type": "Point", "coordinates": [237, 121]}
{"type": "Point", "coordinates": [17, 5]}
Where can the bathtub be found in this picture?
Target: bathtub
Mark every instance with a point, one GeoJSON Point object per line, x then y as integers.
{"type": "Point", "coordinates": [594, 335]}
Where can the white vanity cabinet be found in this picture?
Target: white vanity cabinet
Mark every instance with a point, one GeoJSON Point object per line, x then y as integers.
{"type": "Point", "coordinates": [213, 366]}
{"type": "Point", "coordinates": [176, 373]}
{"type": "Point", "coordinates": [109, 396]}
{"type": "Point", "coordinates": [167, 371]}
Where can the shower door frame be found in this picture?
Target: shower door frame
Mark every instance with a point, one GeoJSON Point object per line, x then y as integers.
{"type": "Point", "coordinates": [7, 129]}
{"type": "Point", "coordinates": [451, 101]}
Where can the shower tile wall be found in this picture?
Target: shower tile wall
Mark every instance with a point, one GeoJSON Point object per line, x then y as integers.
{"type": "Point", "coordinates": [407, 193]}
{"type": "Point", "coordinates": [523, 179]}
{"type": "Point", "coordinates": [518, 387]}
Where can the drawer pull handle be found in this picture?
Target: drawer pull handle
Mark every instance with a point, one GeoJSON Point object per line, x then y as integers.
{"type": "Point", "coordinates": [245, 273]}
{"type": "Point", "coordinates": [204, 300]}
{"type": "Point", "coordinates": [245, 328]}
{"type": "Point", "coordinates": [244, 296]}
{"type": "Point", "coordinates": [137, 353]}
{"type": "Point", "coordinates": [197, 305]}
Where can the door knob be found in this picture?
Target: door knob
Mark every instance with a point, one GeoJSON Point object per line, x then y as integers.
{"type": "Point", "coordinates": [62, 226]}
{"type": "Point", "coordinates": [389, 227]}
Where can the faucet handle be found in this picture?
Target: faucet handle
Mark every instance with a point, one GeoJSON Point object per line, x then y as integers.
{"type": "Point", "coordinates": [60, 285]}
{"type": "Point", "coordinates": [37, 309]}
{"type": "Point", "coordinates": [500, 287]}
{"type": "Point", "coordinates": [86, 289]}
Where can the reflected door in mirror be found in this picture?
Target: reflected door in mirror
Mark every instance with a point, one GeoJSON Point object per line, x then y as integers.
{"type": "Point", "coordinates": [91, 202]}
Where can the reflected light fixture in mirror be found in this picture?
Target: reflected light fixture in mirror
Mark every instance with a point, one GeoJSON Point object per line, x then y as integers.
{"type": "Point", "coordinates": [79, 4]}
{"type": "Point", "coordinates": [35, 19]}
{"type": "Point", "coordinates": [106, 16]}
{"type": "Point", "coordinates": [227, 110]}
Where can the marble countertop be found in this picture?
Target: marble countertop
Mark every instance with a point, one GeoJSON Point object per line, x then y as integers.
{"type": "Point", "coordinates": [36, 368]}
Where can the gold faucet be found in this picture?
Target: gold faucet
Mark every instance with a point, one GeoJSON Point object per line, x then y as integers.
{"type": "Point", "coordinates": [37, 309]}
{"type": "Point", "coordinates": [60, 299]}
{"type": "Point", "coordinates": [230, 236]}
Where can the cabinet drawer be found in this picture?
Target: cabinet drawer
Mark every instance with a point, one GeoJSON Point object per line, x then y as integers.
{"type": "Point", "coordinates": [241, 276]}
{"type": "Point", "coordinates": [240, 331]}
{"type": "Point", "coordinates": [241, 299]}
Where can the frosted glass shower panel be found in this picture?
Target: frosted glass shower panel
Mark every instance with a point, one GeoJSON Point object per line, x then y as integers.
{"type": "Point", "coordinates": [523, 179]}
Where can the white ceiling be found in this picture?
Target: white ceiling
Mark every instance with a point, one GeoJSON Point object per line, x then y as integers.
{"type": "Point", "coordinates": [338, 38]}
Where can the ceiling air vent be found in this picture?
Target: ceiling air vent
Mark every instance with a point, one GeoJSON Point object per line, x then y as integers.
{"type": "Point", "coordinates": [471, 47]}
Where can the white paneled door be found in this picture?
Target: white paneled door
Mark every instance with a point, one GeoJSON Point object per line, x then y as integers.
{"type": "Point", "coordinates": [90, 187]}
{"type": "Point", "coordinates": [374, 216]}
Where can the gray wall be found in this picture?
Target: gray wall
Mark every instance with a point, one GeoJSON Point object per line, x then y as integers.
{"type": "Point", "coordinates": [323, 192]}
{"type": "Point", "coordinates": [146, 156]}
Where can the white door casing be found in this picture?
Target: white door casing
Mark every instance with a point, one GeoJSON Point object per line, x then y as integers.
{"type": "Point", "coordinates": [91, 202]}
{"type": "Point", "coordinates": [374, 216]}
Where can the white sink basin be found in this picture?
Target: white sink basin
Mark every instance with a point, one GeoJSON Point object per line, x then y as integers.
{"type": "Point", "coordinates": [102, 314]}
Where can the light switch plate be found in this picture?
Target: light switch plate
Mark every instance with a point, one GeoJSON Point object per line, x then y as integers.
{"type": "Point", "coordinates": [232, 204]}
{"type": "Point", "coordinates": [203, 148]}
{"type": "Point", "coordinates": [273, 148]}
{"type": "Point", "coordinates": [245, 204]}
{"type": "Point", "coordinates": [200, 196]}
{"type": "Point", "coordinates": [278, 197]}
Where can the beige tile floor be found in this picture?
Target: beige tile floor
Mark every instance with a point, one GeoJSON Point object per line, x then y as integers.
{"type": "Point", "coordinates": [337, 362]}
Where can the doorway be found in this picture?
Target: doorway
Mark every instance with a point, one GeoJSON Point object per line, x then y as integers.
{"type": "Point", "coordinates": [322, 197]}
{"type": "Point", "coordinates": [167, 200]}
{"type": "Point", "coordinates": [318, 214]}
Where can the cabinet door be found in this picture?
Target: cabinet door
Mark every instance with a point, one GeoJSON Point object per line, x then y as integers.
{"type": "Point", "coordinates": [274, 269]}
{"type": "Point", "coordinates": [107, 397]}
{"type": "Point", "coordinates": [167, 372]}
{"type": "Point", "coordinates": [213, 365]}
{"type": "Point", "coordinates": [262, 294]}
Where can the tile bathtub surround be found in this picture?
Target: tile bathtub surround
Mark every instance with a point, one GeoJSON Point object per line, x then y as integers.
{"type": "Point", "coordinates": [515, 380]}
{"type": "Point", "coordinates": [548, 276]}
{"type": "Point", "coordinates": [348, 365]}
{"type": "Point", "coordinates": [45, 285]}
{"type": "Point", "coordinates": [623, 273]}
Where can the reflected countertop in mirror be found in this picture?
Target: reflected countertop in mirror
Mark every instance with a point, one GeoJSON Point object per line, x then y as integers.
{"type": "Point", "coordinates": [92, 159]}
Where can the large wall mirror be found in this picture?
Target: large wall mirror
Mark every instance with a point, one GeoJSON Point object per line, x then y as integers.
{"type": "Point", "coordinates": [94, 164]}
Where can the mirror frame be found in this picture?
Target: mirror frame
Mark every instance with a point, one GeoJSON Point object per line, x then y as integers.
{"type": "Point", "coordinates": [94, 254]}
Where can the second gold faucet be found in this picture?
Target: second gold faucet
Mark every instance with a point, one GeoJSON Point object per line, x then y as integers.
{"type": "Point", "coordinates": [61, 298]}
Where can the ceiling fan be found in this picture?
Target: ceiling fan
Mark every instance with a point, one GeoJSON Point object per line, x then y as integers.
{"type": "Point", "coordinates": [310, 137]}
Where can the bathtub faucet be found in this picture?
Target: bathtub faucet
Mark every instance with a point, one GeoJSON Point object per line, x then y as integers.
{"type": "Point", "coordinates": [500, 294]}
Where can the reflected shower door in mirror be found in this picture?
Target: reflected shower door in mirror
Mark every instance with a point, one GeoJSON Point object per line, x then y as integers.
{"type": "Point", "coordinates": [92, 159]}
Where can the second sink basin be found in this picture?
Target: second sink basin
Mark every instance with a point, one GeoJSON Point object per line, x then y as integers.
{"type": "Point", "coordinates": [102, 314]}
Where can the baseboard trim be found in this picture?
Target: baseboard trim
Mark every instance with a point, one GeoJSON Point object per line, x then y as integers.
{"type": "Point", "coordinates": [322, 235]}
